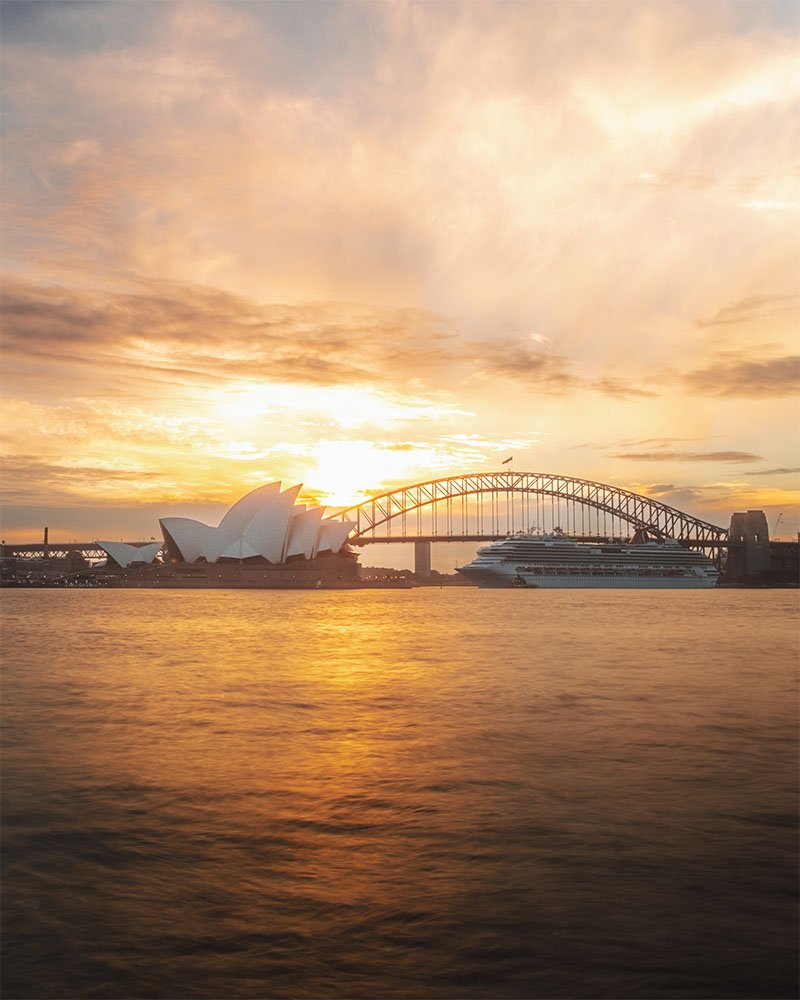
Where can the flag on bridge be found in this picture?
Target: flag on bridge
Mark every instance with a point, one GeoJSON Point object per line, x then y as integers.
{"type": "Point", "coordinates": [507, 461]}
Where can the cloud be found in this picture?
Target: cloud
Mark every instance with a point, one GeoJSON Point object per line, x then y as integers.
{"type": "Point", "coordinates": [681, 497]}
{"type": "Point", "coordinates": [688, 456]}
{"type": "Point", "coordinates": [776, 472]}
{"type": "Point", "coordinates": [716, 501]}
{"type": "Point", "coordinates": [172, 333]}
{"type": "Point", "coordinates": [28, 477]}
{"type": "Point", "coordinates": [514, 359]}
{"type": "Point", "coordinates": [741, 374]}
{"type": "Point", "coordinates": [622, 388]}
{"type": "Point", "coordinates": [756, 308]}
{"type": "Point", "coordinates": [399, 165]}
{"type": "Point", "coordinates": [165, 334]}
{"type": "Point", "coordinates": [660, 441]}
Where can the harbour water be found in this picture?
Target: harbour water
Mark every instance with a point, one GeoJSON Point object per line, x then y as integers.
{"type": "Point", "coordinates": [427, 793]}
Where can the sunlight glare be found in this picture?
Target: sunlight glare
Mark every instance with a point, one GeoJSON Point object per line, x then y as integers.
{"type": "Point", "coordinates": [347, 407]}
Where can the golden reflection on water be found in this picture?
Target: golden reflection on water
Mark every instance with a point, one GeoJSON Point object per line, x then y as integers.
{"type": "Point", "coordinates": [416, 793]}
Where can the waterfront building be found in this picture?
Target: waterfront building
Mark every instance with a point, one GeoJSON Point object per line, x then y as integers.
{"type": "Point", "coordinates": [265, 525]}
{"type": "Point", "coordinates": [266, 539]}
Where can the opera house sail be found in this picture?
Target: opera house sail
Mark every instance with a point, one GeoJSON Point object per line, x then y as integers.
{"type": "Point", "coordinates": [122, 555]}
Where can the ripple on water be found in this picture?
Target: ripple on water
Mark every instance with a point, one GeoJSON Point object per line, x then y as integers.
{"type": "Point", "coordinates": [390, 795]}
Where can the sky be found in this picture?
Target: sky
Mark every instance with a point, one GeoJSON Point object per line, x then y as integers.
{"type": "Point", "coordinates": [362, 245]}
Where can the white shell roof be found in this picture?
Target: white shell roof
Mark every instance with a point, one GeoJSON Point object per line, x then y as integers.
{"type": "Point", "coordinates": [266, 522]}
{"type": "Point", "coordinates": [243, 511]}
{"type": "Point", "coordinates": [303, 533]}
{"type": "Point", "coordinates": [193, 538]}
{"type": "Point", "coordinates": [240, 549]}
{"type": "Point", "coordinates": [333, 535]}
{"type": "Point", "coordinates": [124, 555]}
{"type": "Point", "coordinates": [269, 527]}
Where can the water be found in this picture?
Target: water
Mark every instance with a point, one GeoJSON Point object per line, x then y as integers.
{"type": "Point", "coordinates": [428, 793]}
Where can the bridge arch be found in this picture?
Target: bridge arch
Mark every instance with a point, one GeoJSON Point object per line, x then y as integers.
{"type": "Point", "coordinates": [386, 509]}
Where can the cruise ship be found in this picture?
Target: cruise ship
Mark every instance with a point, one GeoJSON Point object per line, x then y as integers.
{"type": "Point", "coordinates": [558, 561]}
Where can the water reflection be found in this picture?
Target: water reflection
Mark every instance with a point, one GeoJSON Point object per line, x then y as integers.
{"type": "Point", "coordinates": [391, 794]}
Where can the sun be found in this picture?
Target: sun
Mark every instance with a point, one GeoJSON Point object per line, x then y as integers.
{"type": "Point", "coordinates": [344, 473]}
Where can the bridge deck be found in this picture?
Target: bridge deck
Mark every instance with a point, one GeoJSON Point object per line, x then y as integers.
{"type": "Point", "coordinates": [36, 550]}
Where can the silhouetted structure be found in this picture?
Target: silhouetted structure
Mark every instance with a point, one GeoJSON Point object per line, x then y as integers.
{"type": "Point", "coordinates": [785, 563]}
{"type": "Point", "coordinates": [749, 554]}
{"type": "Point", "coordinates": [422, 559]}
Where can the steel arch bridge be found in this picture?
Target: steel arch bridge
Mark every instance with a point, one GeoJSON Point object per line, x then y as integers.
{"type": "Point", "coordinates": [496, 504]}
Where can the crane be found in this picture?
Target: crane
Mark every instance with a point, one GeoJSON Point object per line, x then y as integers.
{"type": "Point", "coordinates": [778, 520]}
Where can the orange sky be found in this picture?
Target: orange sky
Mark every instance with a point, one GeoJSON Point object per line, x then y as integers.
{"type": "Point", "coordinates": [362, 245]}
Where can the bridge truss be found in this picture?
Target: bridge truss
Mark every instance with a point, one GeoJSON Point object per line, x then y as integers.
{"type": "Point", "coordinates": [485, 506]}
{"type": "Point", "coordinates": [55, 550]}
{"type": "Point", "coordinates": [495, 504]}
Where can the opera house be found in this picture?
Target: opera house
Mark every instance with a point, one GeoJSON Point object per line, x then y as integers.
{"type": "Point", "coordinates": [266, 539]}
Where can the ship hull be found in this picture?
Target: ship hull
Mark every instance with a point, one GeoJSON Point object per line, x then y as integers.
{"type": "Point", "coordinates": [494, 581]}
